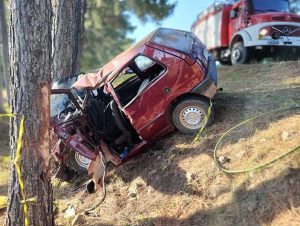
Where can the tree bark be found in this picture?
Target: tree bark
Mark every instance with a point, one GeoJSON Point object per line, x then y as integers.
{"type": "Point", "coordinates": [5, 54]}
{"type": "Point", "coordinates": [30, 72]}
{"type": "Point", "coordinates": [1, 95]}
{"type": "Point", "coordinates": [68, 34]}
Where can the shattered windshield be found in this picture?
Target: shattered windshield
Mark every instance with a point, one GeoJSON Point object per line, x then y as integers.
{"type": "Point", "coordinates": [259, 6]}
{"type": "Point", "coordinates": [58, 102]}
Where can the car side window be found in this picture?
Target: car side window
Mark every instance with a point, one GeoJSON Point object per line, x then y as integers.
{"type": "Point", "coordinates": [149, 68]}
{"type": "Point", "coordinates": [136, 77]}
{"type": "Point", "coordinates": [126, 75]}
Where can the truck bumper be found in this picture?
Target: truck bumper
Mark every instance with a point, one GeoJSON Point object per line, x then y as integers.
{"type": "Point", "coordinates": [283, 42]}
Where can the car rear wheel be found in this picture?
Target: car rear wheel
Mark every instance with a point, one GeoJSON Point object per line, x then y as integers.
{"type": "Point", "coordinates": [78, 162]}
{"type": "Point", "coordinates": [189, 115]}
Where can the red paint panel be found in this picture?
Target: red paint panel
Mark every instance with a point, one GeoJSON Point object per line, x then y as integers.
{"type": "Point", "coordinates": [220, 22]}
{"type": "Point", "coordinates": [149, 113]}
{"type": "Point", "coordinates": [224, 27]}
{"type": "Point", "coordinates": [274, 17]}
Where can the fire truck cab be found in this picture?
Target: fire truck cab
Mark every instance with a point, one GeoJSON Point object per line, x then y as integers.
{"type": "Point", "coordinates": [237, 31]}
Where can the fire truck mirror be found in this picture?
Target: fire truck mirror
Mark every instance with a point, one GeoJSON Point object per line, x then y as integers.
{"type": "Point", "coordinates": [233, 14]}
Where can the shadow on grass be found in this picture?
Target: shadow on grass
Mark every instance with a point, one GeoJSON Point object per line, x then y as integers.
{"type": "Point", "coordinates": [231, 108]}
{"type": "Point", "coordinates": [256, 206]}
{"type": "Point", "coordinates": [3, 190]}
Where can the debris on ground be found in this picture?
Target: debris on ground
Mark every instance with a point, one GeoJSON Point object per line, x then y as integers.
{"type": "Point", "coordinates": [285, 135]}
{"type": "Point", "coordinates": [70, 211]}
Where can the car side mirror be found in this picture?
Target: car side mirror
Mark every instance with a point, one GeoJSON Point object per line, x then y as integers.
{"type": "Point", "coordinates": [233, 14]}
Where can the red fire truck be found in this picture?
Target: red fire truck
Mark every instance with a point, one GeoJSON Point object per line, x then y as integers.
{"type": "Point", "coordinates": [236, 31]}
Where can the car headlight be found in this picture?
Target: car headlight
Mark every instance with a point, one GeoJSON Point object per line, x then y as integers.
{"type": "Point", "coordinates": [263, 32]}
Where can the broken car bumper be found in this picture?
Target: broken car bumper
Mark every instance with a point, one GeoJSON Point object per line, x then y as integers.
{"type": "Point", "coordinates": [208, 87]}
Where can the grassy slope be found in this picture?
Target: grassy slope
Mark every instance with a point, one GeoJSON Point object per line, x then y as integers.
{"type": "Point", "coordinates": [178, 183]}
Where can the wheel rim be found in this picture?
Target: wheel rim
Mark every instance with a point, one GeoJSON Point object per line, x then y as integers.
{"type": "Point", "coordinates": [237, 54]}
{"type": "Point", "coordinates": [192, 117]}
{"type": "Point", "coordinates": [82, 161]}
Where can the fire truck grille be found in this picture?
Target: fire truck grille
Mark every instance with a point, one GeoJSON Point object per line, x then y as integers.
{"type": "Point", "coordinates": [285, 30]}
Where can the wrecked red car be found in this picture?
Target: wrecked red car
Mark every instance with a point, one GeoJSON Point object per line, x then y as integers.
{"type": "Point", "coordinates": [163, 82]}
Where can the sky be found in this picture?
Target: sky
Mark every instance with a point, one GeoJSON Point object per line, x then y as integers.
{"type": "Point", "coordinates": [183, 17]}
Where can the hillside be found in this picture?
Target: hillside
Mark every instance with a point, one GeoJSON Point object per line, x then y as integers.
{"type": "Point", "coordinates": [176, 182]}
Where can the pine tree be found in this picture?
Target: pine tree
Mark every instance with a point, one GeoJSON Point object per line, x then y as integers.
{"type": "Point", "coordinates": [107, 26]}
{"type": "Point", "coordinates": [67, 39]}
{"type": "Point", "coordinates": [30, 71]}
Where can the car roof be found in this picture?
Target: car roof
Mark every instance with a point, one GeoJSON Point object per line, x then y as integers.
{"type": "Point", "coordinates": [122, 59]}
{"type": "Point", "coordinates": [108, 71]}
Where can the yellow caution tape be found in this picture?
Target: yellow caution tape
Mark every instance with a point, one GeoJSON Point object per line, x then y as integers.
{"type": "Point", "coordinates": [16, 162]}
{"type": "Point", "coordinates": [7, 115]}
{"type": "Point", "coordinates": [3, 202]}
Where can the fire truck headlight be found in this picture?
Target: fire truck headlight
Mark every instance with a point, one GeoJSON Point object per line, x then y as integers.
{"type": "Point", "coordinates": [262, 33]}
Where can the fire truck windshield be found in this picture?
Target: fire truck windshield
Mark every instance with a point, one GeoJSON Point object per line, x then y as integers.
{"type": "Point", "coordinates": [259, 6]}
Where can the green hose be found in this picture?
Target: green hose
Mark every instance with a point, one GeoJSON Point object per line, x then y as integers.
{"type": "Point", "coordinates": [221, 167]}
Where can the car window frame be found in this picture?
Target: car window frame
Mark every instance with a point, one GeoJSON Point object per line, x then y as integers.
{"type": "Point", "coordinates": [146, 88]}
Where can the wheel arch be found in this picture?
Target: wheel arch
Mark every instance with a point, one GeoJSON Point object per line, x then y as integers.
{"type": "Point", "coordinates": [240, 36]}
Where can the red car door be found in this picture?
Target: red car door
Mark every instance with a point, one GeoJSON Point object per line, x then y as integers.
{"type": "Point", "coordinates": [146, 111]}
{"type": "Point", "coordinates": [149, 112]}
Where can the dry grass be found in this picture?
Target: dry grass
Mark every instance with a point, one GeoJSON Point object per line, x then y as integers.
{"type": "Point", "coordinates": [177, 181]}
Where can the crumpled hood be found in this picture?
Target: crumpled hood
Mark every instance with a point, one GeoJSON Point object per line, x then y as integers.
{"type": "Point", "coordinates": [89, 81]}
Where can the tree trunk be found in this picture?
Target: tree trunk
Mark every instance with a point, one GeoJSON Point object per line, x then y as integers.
{"type": "Point", "coordinates": [30, 72]}
{"type": "Point", "coordinates": [68, 34]}
{"type": "Point", "coordinates": [1, 95]}
{"type": "Point", "coordinates": [5, 56]}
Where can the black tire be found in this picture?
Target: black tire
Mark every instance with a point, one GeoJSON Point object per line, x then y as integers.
{"type": "Point", "coordinates": [239, 54]}
{"type": "Point", "coordinates": [198, 107]}
{"type": "Point", "coordinates": [225, 62]}
{"type": "Point", "coordinates": [73, 163]}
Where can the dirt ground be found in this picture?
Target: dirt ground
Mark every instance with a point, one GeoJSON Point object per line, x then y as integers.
{"type": "Point", "coordinates": [176, 182]}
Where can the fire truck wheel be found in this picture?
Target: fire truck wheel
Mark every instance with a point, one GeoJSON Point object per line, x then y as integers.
{"type": "Point", "coordinates": [77, 162]}
{"type": "Point", "coordinates": [189, 115]}
{"type": "Point", "coordinates": [239, 53]}
{"type": "Point", "coordinates": [225, 62]}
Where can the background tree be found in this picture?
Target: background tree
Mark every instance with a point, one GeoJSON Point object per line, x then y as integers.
{"type": "Point", "coordinates": [30, 68]}
{"type": "Point", "coordinates": [1, 88]}
{"type": "Point", "coordinates": [295, 6]}
{"type": "Point", "coordinates": [1, 93]}
{"type": "Point", "coordinates": [107, 26]}
{"type": "Point", "coordinates": [67, 39]}
{"type": "Point", "coordinates": [4, 55]}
